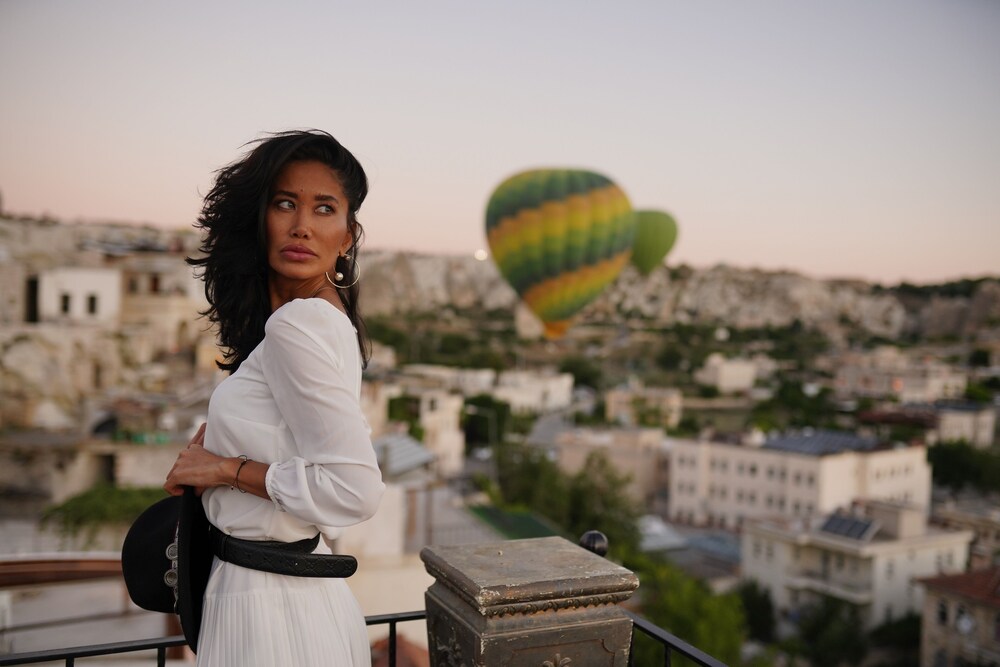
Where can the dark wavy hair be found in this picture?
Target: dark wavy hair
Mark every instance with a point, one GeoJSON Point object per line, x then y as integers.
{"type": "Point", "coordinates": [234, 265]}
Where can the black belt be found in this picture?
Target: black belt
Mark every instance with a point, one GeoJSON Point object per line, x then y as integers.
{"type": "Point", "coordinates": [292, 558]}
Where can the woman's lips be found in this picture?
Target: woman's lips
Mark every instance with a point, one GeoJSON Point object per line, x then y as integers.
{"type": "Point", "coordinates": [297, 253]}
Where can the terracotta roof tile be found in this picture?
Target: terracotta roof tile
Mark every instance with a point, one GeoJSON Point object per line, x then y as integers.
{"type": "Point", "coordinates": [982, 586]}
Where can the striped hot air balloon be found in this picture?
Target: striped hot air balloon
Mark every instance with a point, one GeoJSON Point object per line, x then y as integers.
{"type": "Point", "coordinates": [655, 235]}
{"type": "Point", "coordinates": [559, 237]}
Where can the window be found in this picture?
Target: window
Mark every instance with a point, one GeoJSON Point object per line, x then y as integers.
{"type": "Point", "coordinates": [795, 507]}
{"type": "Point", "coordinates": [840, 561]}
{"type": "Point", "coordinates": [889, 567]}
{"type": "Point", "coordinates": [154, 284]}
{"type": "Point", "coordinates": [942, 612]}
{"type": "Point", "coordinates": [753, 469]}
{"type": "Point", "coordinates": [64, 305]}
{"type": "Point", "coordinates": [798, 478]}
{"type": "Point", "coordinates": [739, 468]}
{"type": "Point", "coordinates": [92, 304]}
{"type": "Point", "coordinates": [133, 285]}
{"type": "Point", "coordinates": [812, 479]}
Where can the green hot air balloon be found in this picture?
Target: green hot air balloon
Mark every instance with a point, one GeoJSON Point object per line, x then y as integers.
{"type": "Point", "coordinates": [559, 237]}
{"type": "Point", "coordinates": [655, 235]}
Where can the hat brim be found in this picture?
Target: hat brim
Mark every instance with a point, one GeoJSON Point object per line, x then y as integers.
{"type": "Point", "coordinates": [145, 560]}
{"type": "Point", "coordinates": [194, 564]}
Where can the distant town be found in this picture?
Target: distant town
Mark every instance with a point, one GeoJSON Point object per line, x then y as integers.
{"type": "Point", "coordinates": [810, 467]}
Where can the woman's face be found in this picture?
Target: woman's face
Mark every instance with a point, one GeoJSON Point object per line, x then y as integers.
{"type": "Point", "coordinates": [307, 226]}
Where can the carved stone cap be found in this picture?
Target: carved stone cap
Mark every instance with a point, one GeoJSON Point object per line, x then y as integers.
{"type": "Point", "coordinates": [500, 577]}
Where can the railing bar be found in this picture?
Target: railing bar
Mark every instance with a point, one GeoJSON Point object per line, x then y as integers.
{"type": "Point", "coordinates": [72, 652]}
{"type": "Point", "coordinates": [382, 619]}
{"type": "Point", "coordinates": [666, 656]}
{"type": "Point", "coordinates": [392, 644]}
{"type": "Point", "coordinates": [631, 648]}
{"type": "Point", "coordinates": [70, 662]}
{"type": "Point", "coordinates": [161, 656]}
{"type": "Point", "coordinates": [675, 643]}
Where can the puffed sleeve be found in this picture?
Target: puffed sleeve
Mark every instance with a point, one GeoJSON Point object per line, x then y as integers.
{"type": "Point", "coordinates": [334, 480]}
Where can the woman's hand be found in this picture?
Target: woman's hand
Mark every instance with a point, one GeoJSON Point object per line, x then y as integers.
{"type": "Point", "coordinates": [196, 466]}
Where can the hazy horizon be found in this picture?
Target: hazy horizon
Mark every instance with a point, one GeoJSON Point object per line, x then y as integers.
{"type": "Point", "coordinates": [857, 140]}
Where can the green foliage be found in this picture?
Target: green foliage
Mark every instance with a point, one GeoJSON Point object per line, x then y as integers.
{"type": "Point", "coordinates": [684, 607]}
{"type": "Point", "coordinates": [487, 422]}
{"type": "Point", "coordinates": [424, 339]}
{"type": "Point", "coordinates": [759, 611]}
{"type": "Point", "coordinates": [102, 505]}
{"type": "Point", "coordinates": [790, 406]}
{"type": "Point", "coordinates": [584, 371]}
{"type": "Point", "coordinates": [832, 634]}
{"type": "Point", "coordinates": [978, 393]}
{"type": "Point", "coordinates": [957, 464]}
{"type": "Point", "coordinates": [592, 499]}
{"type": "Point", "coordinates": [979, 358]}
{"type": "Point", "coordinates": [670, 357]}
{"type": "Point", "coordinates": [708, 391]}
{"type": "Point", "coordinates": [689, 426]}
{"type": "Point", "coordinates": [406, 409]}
{"type": "Point", "coordinates": [902, 636]}
{"type": "Point", "coordinates": [965, 287]}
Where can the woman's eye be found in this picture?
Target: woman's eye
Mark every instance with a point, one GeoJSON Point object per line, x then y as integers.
{"type": "Point", "coordinates": [324, 208]}
{"type": "Point", "coordinates": [284, 205]}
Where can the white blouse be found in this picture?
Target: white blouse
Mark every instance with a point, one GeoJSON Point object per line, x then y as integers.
{"type": "Point", "coordinates": [295, 403]}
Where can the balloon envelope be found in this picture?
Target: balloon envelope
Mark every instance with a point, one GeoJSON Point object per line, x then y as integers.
{"type": "Point", "coordinates": [655, 235]}
{"type": "Point", "coordinates": [559, 237]}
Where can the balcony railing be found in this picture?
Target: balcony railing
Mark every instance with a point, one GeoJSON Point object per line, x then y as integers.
{"type": "Point", "coordinates": [672, 646]}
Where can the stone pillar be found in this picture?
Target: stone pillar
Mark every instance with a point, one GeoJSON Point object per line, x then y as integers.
{"type": "Point", "coordinates": [541, 602]}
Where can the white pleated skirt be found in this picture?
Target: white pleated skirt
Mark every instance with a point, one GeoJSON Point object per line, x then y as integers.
{"type": "Point", "coordinates": [259, 619]}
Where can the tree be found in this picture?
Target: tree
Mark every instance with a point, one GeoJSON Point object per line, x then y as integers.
{"type": "Point", "coordinates": [585, 372]}
{"type": "Point", "coordinates": [759, 611]}
{"type": "Point", "coordinates": [486, 420]}
{"type": "Point", "coordinates": [957, 464]}
{"type": "Point", "coordinates": [832, 634]}
{"type": "Point", "coordinates": [101, 505]}
{"type": "Point", "coordinates": [598, 500]}
{"type": "Point", "coordinates": [686, 608]}
{"type": "Point", "coordinates": [980, 357]}
{"type": "Point", "coordinates": [901, 636]}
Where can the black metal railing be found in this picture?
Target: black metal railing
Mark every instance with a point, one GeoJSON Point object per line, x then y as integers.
{"type": "Point", "coordinates": [671, 645]}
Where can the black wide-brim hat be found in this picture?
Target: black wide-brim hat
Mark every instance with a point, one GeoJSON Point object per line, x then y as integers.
{"type": "Point", "coordinates": [169, 544]}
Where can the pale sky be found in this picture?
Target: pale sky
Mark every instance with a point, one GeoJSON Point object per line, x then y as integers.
{"type": "Point", "coordinates": [852, 138]}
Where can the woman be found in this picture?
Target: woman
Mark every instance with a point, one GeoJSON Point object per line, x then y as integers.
{"type": "Point", "coordinates": [286, 452]}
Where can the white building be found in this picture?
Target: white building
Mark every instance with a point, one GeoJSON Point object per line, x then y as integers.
{"type": "Point", "coordinates": [729, 376]}
{"type": "Point", "coordinates": [440, 415]}
{"type": "Point", "coordinates": [809, 473]}
{"type": "Point", "coordinates": [635, 404]}
{"type": "Point", "coordinates": [887, 372]}
{"type": "Point", "coordinates": [534, 391]}
{"type": "Point", "coordinates": [466, 381]}
{"type": "Point", "coordinates": [79, 295]}
{"type": "Point", "coordinates": [974, 423]}
{"type": "Point", "coordinates": [870, 560]}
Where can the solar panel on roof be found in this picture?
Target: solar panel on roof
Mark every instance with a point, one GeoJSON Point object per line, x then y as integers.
{"type": "Point", "coordinates": [847, 526]}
